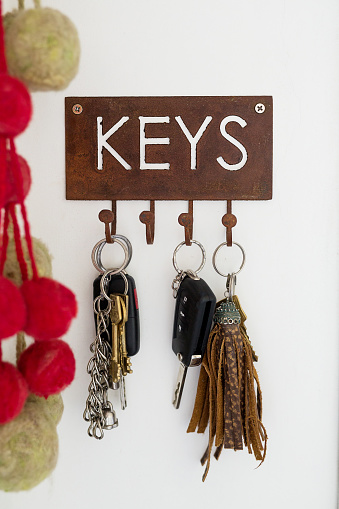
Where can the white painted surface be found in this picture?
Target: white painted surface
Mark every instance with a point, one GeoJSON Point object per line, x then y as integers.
{"type": "Point", "coordinates": [288, 288]}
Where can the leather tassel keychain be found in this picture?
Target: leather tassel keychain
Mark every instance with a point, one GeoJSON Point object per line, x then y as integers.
{"type": "Point", "coordinates": [228, 396]}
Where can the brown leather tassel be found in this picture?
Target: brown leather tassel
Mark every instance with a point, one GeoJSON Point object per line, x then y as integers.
{"type": "Point", "coordinates": [229, 397]}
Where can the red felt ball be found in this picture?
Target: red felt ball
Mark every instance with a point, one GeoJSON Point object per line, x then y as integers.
{"type": "Point", "coordinates": [12, 192]}
{"type": "Point", "coordinates": [48, 367]}
{"type": "Point", "coordinates": [12, 309]}
{"type": "Point", "coordinates": [13, 392]}
{"type": "Point", "coordinates": [50, 308]}
{"type": "Point", "coordinates": [15, 106]}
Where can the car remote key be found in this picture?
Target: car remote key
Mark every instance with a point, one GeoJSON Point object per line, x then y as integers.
{"type": "Point", "coordinates": [195, 305]}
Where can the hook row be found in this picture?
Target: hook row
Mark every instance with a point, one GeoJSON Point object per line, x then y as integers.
{"type": "Point", "coordinates": [147, 217]}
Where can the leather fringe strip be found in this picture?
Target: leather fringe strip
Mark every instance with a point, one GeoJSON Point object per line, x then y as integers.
{"type": "Point", "coordinates": [229, 397]}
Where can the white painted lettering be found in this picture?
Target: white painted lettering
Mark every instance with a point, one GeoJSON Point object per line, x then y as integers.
{"type": "Point", "coordinates": [151, 141]}
{"type": "Point", "coordinates": [193, 140]}
{"type": "Point", "coordinates": [236, 143]}
{"type": "Point", "coordinates": [102, 142]}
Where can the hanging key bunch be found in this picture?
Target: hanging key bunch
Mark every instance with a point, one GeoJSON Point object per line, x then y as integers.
{"type": "Point", "coordinates": [228, 396]}
{"type": "Point", "coordinates": [117, 338]}
{"type": "Point", "coordinates": [41, 307]}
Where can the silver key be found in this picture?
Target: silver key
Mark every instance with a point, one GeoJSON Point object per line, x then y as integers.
{"type": "Point", "coordinates": [123, 398]}
{"type": "Point", "coordinates": [179, 386]}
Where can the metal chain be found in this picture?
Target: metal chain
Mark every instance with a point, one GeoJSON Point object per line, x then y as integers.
{"type": "Point", "coordinates": [177, 282]}
{"type": "Point", "coordinates": [97, 405]}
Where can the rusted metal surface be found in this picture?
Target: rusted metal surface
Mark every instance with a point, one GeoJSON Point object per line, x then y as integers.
{"type": "Point", "coordinates": [114, 222]}
{"type": "Point", "coordinates": [229, 220]}
{"type": "Point", "coordinates": [107, 217]}
{"type": "Point", "coordinates": [208, 181]}
{"type": "Point", "coordinates": [186, 220]}
{"type": "Point", "coordinates": [147, 217]}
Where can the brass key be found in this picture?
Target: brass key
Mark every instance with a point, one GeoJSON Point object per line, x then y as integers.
{"type": "Point", "coordinates": [116, 317]}
{"type": "Point", "coordinates": [125, 361]}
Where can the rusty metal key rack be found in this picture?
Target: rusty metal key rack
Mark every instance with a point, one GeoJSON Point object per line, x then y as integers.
{"type": "Point", "coordinates": [169, 148]}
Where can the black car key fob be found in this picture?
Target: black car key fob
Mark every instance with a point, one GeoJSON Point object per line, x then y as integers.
{"type": "Point", "coordinates": [132, 326]}
{"type": "Point", "coordinates": [195, 305]}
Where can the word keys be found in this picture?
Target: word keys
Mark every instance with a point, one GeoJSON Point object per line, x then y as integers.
{"type": "Point", "coordinates": [192, 324]}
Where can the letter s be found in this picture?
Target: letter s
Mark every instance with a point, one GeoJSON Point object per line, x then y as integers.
{"type": "Point", "coordinates": [236, 143]}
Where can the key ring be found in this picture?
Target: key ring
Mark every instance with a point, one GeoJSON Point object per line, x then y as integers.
{"type": "Point", "coordinates": [215, 254]}
{"type": "Point", "coordinates": [174, 259]}
{"type": "Point", "coordinates": [97, 309]}
{"type": "Point", "coordinates": [112, 272]}
{"type": "Point", "coordinates": [97, 250]}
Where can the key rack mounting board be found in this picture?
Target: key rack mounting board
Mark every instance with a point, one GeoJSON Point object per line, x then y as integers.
{"type": "Point", "coordinates": [169, 148]}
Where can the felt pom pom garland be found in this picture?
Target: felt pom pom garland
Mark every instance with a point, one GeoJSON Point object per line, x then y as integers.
{"type": "Point", "coordinates": [41, 307]}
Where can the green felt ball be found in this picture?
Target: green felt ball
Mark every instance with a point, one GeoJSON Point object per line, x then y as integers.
{"type": "Point", "coordinates": [53, 406]}
{"type": "Point", "coordinates": [42, 48]}
{"type": "Point", "coordinates": [28, 447]}
{"type": "Point", "coordinates": [42, 259]}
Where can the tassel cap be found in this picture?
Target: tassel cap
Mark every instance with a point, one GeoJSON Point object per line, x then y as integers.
{"type": "Point", "coordinates": [227, 313]}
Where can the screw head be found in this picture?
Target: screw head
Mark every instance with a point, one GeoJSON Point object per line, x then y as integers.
{"type": "Point", "coordinates": [77, 109]}
{"type": "Point", "coordinates": [259, 108]}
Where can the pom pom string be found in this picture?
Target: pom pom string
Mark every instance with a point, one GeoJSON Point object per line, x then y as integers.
{"type": "Point", "coordinates": [5, 240]}
{"type": "Point", "coordinates": [21, 4]}
{"type": "Point", "coordinates": [3, 63]}
{"type": "Point", "coordinates": [3, 170]}
{"type": "Point", "coordinates": [15, 166]}
{"type": "Point", "coordinates": [18, 245]}
{"type": "Point", "coordinates": [19, 184]}
{"type": "Point", "coordinates": [29, 241]}
{"type": "Point", "coordinates": [20, 344]}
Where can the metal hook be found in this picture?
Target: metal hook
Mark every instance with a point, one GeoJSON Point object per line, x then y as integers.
{"type": "Point", "coordinates": [147, 217]}
{"type": "Point", "coordinates": [229, 220]}
{"type": "Point", "coordinates": [107, 216]}
{"type": "Point", "coordinates": [114, 222]}
{"type": "Point", "coordinates": [186, 220]}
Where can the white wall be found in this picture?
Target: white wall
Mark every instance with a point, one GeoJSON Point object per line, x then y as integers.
{"type": "Point", "coordinates": [288, 288]}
